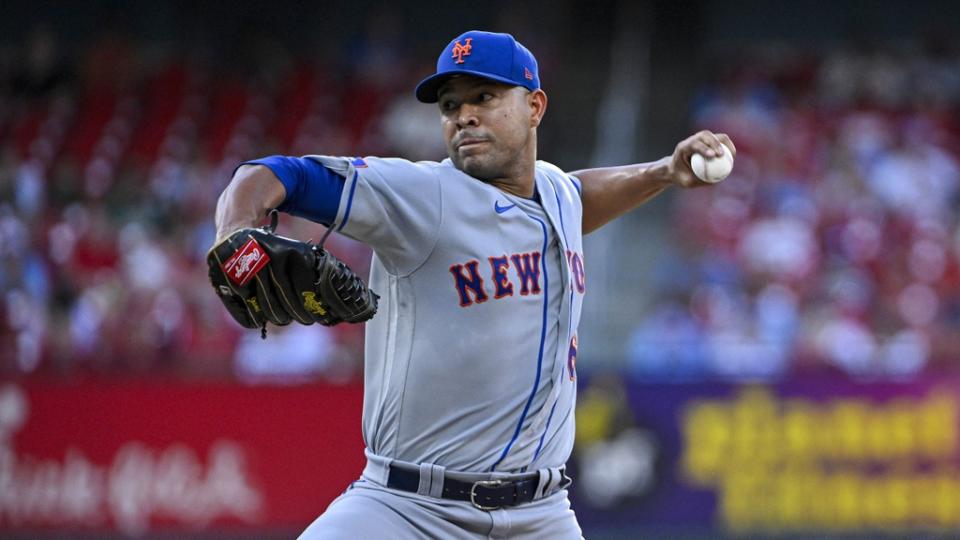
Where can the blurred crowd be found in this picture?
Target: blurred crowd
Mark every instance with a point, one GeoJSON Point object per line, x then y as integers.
{"type": "Point", "coordinates": [113, 152]}
{"type": "Point", "coordinates": [835, 245]}
{"type": "Point", "coordinates": [110, 168]}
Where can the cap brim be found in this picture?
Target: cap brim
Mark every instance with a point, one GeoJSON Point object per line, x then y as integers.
{"type": "Point", "coordinates": [427, 89]}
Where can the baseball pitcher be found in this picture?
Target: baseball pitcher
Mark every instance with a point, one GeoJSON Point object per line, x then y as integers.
{"type": "Point", "coordinates": [479, 277]}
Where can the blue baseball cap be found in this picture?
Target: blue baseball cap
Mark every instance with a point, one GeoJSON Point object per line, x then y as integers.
{"type": "Point", "coordinates": [493, 56]}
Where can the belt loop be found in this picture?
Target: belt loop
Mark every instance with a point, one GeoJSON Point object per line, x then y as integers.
{"type": "Point", "coordinates": [425, 479]}
{"type": "Point", "coordinates": [377, 469]}
{"type": "Point", "coordinates": [543, 484]}
{"type": "Point", "coordinates": [551, 480]}
{"type": "Point", "coordinates": [436, 481]}
{"type": "Point", "coordinates": [565, 480]}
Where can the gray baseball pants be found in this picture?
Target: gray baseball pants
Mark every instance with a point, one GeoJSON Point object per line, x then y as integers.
{"type": "Point", "coordinates": [368, 509]}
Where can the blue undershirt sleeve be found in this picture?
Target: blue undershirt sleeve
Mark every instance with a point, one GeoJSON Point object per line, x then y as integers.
{"type": "Point", "coordinates": [313, 191]}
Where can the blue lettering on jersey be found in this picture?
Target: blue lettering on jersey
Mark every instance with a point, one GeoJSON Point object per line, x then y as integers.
{"type": "Point", "coordinates": [572, 359]}
{"type": "Point", "coordinates": [469, 282]}
{"type": "Point", "coordinates": [470, 286]}
{"type": "Point", "coordinates": [575, 263]}
{"type": "Point", "coordinates": [498, 268]}
{"type": "Point", "coordinates": [527, 266]}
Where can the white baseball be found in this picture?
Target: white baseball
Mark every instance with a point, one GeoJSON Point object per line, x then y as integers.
{"type": "Point", "coordinates": [713, 169]}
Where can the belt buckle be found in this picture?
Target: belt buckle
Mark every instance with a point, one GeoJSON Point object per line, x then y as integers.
{"type": "Point", "coordinates": [487, 484]}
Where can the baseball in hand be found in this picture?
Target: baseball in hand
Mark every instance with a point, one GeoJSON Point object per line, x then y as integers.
{"type": "Point", "coordinates": [714, 169]}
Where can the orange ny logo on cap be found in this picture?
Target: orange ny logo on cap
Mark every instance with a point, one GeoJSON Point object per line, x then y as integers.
{"type": "Point", "coordinates": [459, 51]}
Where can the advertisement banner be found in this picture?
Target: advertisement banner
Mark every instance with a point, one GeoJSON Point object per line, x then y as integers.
{"type": "Point", "coordinates": [803, 455]}
{"type": "Point", "coordinates": [138, 456]}
{"type": "Point", "coordinates": [822, 455]}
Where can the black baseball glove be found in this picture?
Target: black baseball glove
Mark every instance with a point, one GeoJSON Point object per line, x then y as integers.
{"type": "Point", "coordinates": [261, 277]}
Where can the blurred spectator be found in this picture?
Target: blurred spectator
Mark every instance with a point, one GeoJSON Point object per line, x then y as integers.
{"type": "Point", "coordinates": [668, 344]}
{"type": "Point", "coordinates": [292, 353]}
{"type": "Point", "coordinates": [839, 219]}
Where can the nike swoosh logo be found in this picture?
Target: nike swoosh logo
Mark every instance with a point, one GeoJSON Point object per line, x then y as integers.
{"type": "Point", "coordinates": [501, 209]}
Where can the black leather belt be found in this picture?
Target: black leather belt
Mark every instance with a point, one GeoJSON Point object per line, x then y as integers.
{"type": "Point", "coordinates": [483, 494]}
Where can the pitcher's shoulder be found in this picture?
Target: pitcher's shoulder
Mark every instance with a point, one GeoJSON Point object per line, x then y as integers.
{"type": "Point", "coordinates": [548, 167]}
{"type": "Point", "coordinates": [394, 169]}
{"type": "Point", "coordinates": [399, 161]}
{"type": "Point", "coordinates": [558, 176]}
{"type": "Point", "coordinates": [393, 162]}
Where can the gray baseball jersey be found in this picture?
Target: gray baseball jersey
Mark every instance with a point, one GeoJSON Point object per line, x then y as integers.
{"type": "Point", "coordinates": [470, 360]}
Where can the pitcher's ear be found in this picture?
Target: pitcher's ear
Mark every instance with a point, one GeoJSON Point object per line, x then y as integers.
{"type": "Point", "coordinates": [537, 100]}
